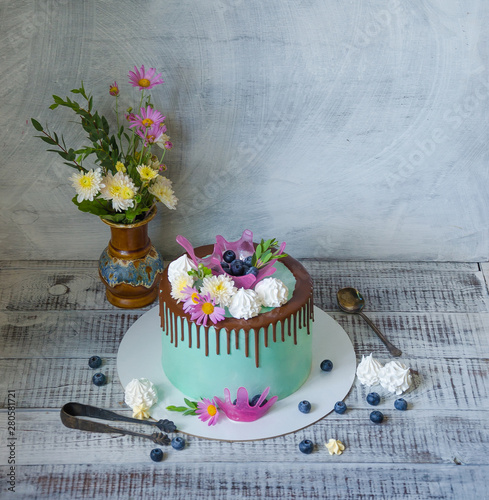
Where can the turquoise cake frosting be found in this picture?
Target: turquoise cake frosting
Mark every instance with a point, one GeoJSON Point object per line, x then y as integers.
{"type": "Point", "coordinates": [273, 349]}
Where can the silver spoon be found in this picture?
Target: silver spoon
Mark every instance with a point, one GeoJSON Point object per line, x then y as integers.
{"type": "Point", "coordinates": [350, 300]}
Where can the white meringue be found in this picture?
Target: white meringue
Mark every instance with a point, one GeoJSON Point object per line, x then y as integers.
{"type": "Point", "coordinates": [140, 391]}
{"type": "Point", "coordinates": [182, 265]}
{"type": "Point", "coordinates": [395, 377]}
{"type": "Point", "coordinates": [368, 370]}
{"type": "Point", "coordinates": [245, 304]}
{"type": "Point", "coordinates": [272, 292]}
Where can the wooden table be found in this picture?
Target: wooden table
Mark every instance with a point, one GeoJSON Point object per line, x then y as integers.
{"type": "Point", "coordinates": [54, 316]}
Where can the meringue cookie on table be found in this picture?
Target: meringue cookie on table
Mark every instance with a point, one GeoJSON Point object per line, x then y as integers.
{"type": "Point", "coordinates": [245, 304]}
{"type": "Point", "coordinates": [140, 392]}
{"type": "Point", "coordinates": [368, 370]}
{"type": "Point", "coordinates": [272, 292]}
{"type": "Point", "coordinates": [395, 377]}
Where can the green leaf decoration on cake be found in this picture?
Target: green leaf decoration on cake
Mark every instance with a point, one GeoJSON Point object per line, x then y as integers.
{"type": "Point", "coordinates": [201, 272]}
{"type": "Point", "coordinates": [186, 410]}
{"type": "Point", "coordinates": [265, 252]}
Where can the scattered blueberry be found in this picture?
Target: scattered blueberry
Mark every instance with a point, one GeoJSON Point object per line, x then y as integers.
{"type": "Point", "coordinates": [255, 399]}
{"type": "Point", "coordinates": [228, 256]}
{"type": "Point", "coordinates": [340, 407]}
{"type": "Point", "coordinates": [156, 455]}
{"type": "Point", "coordinates": [95, 362]}
{"type": "Point", "coordinates": [304, 406]}
{"type": "Point", "coordinates": [306, 446]}
{"type": "Point", "coordinates": [373, 399]}
{"type": "Point", "coordinates": [400, 404]}
{"type": "Point", "coordinates": [99, 379]}
{"type": "Point", "coordinates": [326, 365]}
{"type": "Point", "coordinates": [252, 270]}
{"type": "Point", "coordinates": [376, 417]}
{"type": "Point", "coordinates": [248, 260]}
{"type": "Point", "coordinates": [237, 268]}
{"type": "Point", "coordinates": [178, 443]}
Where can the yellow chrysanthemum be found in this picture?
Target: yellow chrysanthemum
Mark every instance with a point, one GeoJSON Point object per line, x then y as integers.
{"type": "Point", "coordinates": [146, 172]}
{"type": "Point", "coordinates": [162, 190]}
{"type": "Point", "coordinates": [120, 189]}
{"type": "Point", "coordinates": [120, 167]}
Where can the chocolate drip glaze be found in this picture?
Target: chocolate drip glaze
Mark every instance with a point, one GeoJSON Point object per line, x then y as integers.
{"type": "Point", "coordinates": [301, 304]}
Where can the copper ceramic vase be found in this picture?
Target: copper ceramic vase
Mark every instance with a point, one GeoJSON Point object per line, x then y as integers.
{"type": "Point", "coordinates": [131, 267]}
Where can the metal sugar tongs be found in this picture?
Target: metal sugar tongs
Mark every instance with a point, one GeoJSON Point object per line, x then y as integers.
{"type": "Point", "coordinates": [71, 412]}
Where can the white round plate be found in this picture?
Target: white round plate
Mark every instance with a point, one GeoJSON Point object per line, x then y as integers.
{"type": "Point", "coordinates": [139, 356]}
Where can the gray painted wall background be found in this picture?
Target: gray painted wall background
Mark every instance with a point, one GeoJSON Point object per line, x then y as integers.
{"type": "Point", "coordinates": [349, 129]}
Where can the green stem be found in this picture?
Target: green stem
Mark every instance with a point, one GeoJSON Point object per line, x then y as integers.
{"type": "Point", "coordinates": [117, 118]}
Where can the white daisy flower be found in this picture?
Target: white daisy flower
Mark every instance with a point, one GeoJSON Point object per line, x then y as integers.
{"type": "Point", "coordinates": [180, 281]}
{"type": "Point", "coordinates": [221, 288]}
{"type": "Point", "coordinates": [161, 189]}
{"type": "Point", "coordinates": [120, 189]}
{"type": "Point", "coordinates": [87, 184]}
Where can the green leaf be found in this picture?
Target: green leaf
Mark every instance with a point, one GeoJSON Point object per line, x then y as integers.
{"type": "Point", "coordinates": [53, 106]}
{"type": "Point", "coordinates": [72, 165]}
{"type": "Point", "coordinates": [190, 404]}
{"type": "Point", "coordinates": [114, 217]}
{"type": "Point", "coordinates": [190, 412]}
{"type": "Point", "coordinates": [95, 207]}
{"type": "Point", "coordinates": [176, 408]}
{"type": "Point", "coordinates": [36, 125]}
{"type": "Point", "coordinates": [47, 140]}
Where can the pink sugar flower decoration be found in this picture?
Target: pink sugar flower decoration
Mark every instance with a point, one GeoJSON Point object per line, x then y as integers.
{"type": "Point", "coordinates": [207, 411]}
{"type": "Point", "coordinates": [114, 89]}
{"type": "Point", "coordinates": [205, 309]}
{"type": "Point", "coordinates": [242, 411]}
{"type": "Point", "coordinates": [144, 79]}
{"type": "Point", "coordinates": [149, 117]}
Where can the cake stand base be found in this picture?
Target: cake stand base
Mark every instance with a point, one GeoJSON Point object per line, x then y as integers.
{"type": "Point", "coordinates": [139, 356]}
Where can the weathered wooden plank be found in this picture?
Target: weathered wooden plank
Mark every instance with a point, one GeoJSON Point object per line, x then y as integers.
{"type": "Point", "coordinates": [403, 437]}
{"type": "Point", "coordinates": [386, 288]}
{"type": "Point", "coordinates": [336, 265]}
{"type": "Point", "coordinates": [409, 291]}
{"type": "Point", "coordinates": [65, 334]}
{"type": "Point", "coordinates": [376, 268]}
{"type": "Point", "coordinates": [50, 383]}
{"type": "Point", "coordinates": [219, 481]}
{"type": "Point", "coordinates": [72, 334]}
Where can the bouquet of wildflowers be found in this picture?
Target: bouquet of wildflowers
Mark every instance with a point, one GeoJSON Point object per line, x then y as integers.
{"type": "Point", "coordinates": [128, 179]}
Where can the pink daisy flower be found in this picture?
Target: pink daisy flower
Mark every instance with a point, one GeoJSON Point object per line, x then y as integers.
{"type": "Point", "coordinates": [114, 89]}
{"type": "Point", "coordinates": [204, 309]}
{"type": "Point", "coordinates": [207, 411]}
{"type": "Point", "coordinates": [168, 145]}
{"type": "Point", "coordinates": [153, 133]}
{"type": "Point", "coordinates": [190, 296]}
{"type": "Point", "coordinates": [148, 118]}
{"type": "Point", "coordinates": [144, 79]}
